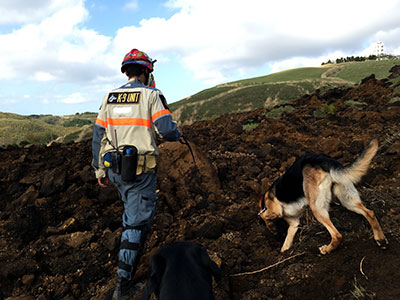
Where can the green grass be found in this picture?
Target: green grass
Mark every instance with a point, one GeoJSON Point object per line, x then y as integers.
{"type": "Point", "coordinates": [250, 126]}
{"type": "Point", "coordinates": [204, 95]}
{"type": "Point", "coordinates": [354, 103]}
{"type": "Point", "coordinates": [246, 99]}
{"type": "Point", "coordinates": [326, 109]}
{"type": "Point", "coordinates": [71, 137]}
{"type": "Point", "coordinates": [39, 129]}
{"type": "Point", "coordinates": [29, 131]}
{"type": "Point", "coordinates": [288, 75]}
{"type": "Point", "coordinates": [276, 112]}
{"type": "Point", "coordinates": [278, 88]}
{"type": "Point", "coordinates": [357, 71]}
{"type": "Point", "coordinates": [76, 122]}
{"type": "Point", "coordinates": [394, 100]}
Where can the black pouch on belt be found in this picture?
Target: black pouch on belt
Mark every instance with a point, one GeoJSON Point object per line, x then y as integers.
{"type": "Point", "coordinates": [116, 162]}
{"type": "Point", "coordinates": [129, 163]}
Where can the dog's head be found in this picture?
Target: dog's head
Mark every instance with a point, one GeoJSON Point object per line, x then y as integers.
{"type": "Point", "coordinates": [270, 209]}
{"type": "Point", "coordinates": [166, 267]}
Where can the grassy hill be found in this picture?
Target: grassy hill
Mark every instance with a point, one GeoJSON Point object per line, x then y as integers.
{"type": "Point", "coordinates": [42, 129]}
{"type": "Point", "coordinates": [274, 89]}
{"type": "Point", "coordinates": [270, 91]}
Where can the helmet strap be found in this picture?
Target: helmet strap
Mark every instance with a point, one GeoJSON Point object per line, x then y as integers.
{"type": "Point", "coordinates": [146, 76]}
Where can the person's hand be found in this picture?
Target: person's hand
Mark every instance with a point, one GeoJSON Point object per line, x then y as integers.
{"type": "Point", "coordinates": [103, 182]}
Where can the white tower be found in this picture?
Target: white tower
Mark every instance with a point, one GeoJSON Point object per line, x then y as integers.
{"type": "Point", "coordinates": [378, 48]}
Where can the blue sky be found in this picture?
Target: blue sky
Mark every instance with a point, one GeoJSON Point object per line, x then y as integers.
{"type": "Point", "coordinates": [61, 57]}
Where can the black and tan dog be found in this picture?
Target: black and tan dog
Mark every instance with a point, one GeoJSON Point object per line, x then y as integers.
{"type": "Point", "coordinates": [310, 180]}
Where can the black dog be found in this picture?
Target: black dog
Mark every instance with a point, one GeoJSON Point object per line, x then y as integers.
{"type": "Point", "coordinates": [181, 271]}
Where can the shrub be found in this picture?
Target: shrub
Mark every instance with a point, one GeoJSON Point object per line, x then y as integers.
{"type": "Point", "coordinates": [275, 113]}
{"type": "Point", "coordinates": [250, 125]}
{"type": "Point", "coordinates": [394, 100]}
{"type": "Point", "coordinates": [329, 109]}
{"type": "Point", "coordinates": [354, 103]}
{"type": "Point", "coordinates": [76, 123]}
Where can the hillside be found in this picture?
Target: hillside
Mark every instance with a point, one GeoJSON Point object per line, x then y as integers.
{"type": "Point", "coordinates": [59, 232]}
{"type": "Point", "coordinates": [42, 129]}
{"type": "Point", "coordinates": [271, 92]}
{"type": "Point", "coordinates": [274, 89]}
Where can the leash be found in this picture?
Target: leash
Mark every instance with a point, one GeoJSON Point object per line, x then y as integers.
{"type": "Point", "coordinates": [196, 171]}
{"type": "Point", "coordinates": [183, 141]}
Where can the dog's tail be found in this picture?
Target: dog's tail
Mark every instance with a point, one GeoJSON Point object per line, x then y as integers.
{"type": "Point", "coordinates": [353, 173]}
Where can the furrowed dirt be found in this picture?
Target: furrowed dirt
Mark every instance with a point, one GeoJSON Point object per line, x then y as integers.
{"type": "Point", "coordinates": [60, 231]}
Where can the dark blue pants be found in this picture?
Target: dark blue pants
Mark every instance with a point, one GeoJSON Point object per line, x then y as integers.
{"type": "Point", "coordinates": [140, 203]}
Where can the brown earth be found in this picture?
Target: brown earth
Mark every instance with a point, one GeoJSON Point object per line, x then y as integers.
{"type": "Point", "coordinates": [60, 231]}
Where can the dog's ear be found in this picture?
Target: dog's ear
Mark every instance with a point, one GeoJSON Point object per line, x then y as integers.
{"type": "Point", "coordinates": [157, 268]}
{"type": "Point", "coordinates": [273, 206]}
{"type": "Point", "coordinates": [271, 193]}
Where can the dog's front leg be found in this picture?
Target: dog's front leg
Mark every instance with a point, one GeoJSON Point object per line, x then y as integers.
{"type": "Point", "coordinates": [293, 226]}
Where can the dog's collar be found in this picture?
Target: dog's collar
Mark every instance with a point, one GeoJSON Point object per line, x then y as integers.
{"type": "Point", "coordinates": [264, 209]}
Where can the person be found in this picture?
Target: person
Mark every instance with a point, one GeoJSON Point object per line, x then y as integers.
{"type": "Point", "coordinates": [124, 149]}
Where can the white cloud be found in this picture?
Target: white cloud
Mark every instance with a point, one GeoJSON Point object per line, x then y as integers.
{"type": "Point", "coordinates": [43, 76]}
{"type": "Point", "coordinates": [57, 48]}
{"type": "Point", "coordinates": [132, 5]}
{"type": "Point", "coordinates": [213, 40]}
{"type": "Point", "coordinates": [218, 39]}
{"type": "Point", "coordinates": [74, 98]}
{"type": "Point", "coordinates": [22, 11]}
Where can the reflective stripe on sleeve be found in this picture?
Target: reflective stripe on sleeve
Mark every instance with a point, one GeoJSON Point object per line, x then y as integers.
{"type": "Point", "coordinates": [160, 114]}
{"type": "Point", "coordinates": [101, 123]}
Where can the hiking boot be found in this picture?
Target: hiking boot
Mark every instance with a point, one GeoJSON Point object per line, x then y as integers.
{"type": "Point", "coordinates": [125, 289]}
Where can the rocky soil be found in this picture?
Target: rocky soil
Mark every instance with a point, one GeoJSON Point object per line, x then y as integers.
{"type": "Point", "coordinates": [59, 231]}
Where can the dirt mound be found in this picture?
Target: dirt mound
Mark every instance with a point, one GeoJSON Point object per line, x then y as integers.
{"type": "Point", "coordinates": [60, 231]}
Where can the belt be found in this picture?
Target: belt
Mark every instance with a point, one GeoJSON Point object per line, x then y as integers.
{"type": "Point", "coordinates": [146, 162]}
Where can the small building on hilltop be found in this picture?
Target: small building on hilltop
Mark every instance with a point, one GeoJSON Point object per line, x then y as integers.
{"type": "Point", "coordinates": [378, 48]}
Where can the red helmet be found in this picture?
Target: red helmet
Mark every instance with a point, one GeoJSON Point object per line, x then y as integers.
{"type": "Point", "coordinates": [137, 57]}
